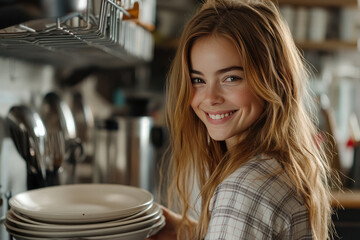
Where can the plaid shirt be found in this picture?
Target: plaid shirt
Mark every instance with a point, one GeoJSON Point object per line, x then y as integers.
{"type": "Point", "coordinates": [258, 202]}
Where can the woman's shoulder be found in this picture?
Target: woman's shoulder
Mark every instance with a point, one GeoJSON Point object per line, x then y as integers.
{"type": "Point", "coordinates": [259, 170]}
{"type": "Point", "coordinates": [258, 200]}
{"type": "Point", "coordinates": [261, 179]}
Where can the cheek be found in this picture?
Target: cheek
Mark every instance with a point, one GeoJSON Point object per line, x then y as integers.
{"type": "Point", "coordinates": [248, 99]}
{"type": "Point", "coordinates": [242, 98]}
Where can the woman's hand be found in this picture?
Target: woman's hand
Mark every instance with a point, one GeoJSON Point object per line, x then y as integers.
{"type": "Point", "coordinates": [169, 232]}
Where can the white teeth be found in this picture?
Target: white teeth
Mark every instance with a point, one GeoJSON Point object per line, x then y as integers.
{"type": "Point", "coordinates": [218, 116]}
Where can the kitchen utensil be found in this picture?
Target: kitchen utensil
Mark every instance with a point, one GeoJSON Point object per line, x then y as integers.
{"type": "Point", "coordinates": [28, 133]}
{"type": "Point", "coordinates": [55, 148]}
{"type": "Point", "coordinates": [83, 116]}
{"type": "Point", "coordinates": [75, 152]}
{"type": "Point", "coordinates": [57, 115]}
{"type": "Point", "coordinates": [84, 121]}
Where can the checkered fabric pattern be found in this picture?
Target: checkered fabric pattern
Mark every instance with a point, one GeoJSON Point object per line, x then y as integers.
{"type": "Point", "coordinates": [258, 201]}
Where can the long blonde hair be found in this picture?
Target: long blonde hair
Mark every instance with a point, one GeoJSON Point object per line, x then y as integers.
{"type": "Point", "coordinates": [285, 130]}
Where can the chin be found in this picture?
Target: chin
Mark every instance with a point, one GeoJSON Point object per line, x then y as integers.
{"type": "Point", "coordinates": [217, 137]}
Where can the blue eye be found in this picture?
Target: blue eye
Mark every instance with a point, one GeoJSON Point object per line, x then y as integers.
{"type": "Point", "coordinates": [197, 80]}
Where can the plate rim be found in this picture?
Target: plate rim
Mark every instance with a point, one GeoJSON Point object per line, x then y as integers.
{"type": "Point", "coordinates": [58, 227]}
{"type": "Point", "coordinates": [84, 233]}
{"type": "Point", "coordinates": [149, 231]}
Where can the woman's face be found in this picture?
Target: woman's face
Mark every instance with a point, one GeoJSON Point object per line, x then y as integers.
{"type": "Point", "coordinates": [222, 97]}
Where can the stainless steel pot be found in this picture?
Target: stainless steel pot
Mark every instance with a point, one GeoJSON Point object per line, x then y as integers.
{"type": "Point", "coordinates": [124, 152]}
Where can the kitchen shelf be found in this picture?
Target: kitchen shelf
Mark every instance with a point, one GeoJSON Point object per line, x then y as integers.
{"type": "Point", "coordinates": [319, 3]}
{"type": "Point", "coordinates": [74, 50]}
{"type": "Point", "coordinates": [331, 8]}
{"type": "Point", "coordinates": [346, 199]}
{"type": "Point", "coordinates": [113, 36]}
{"type": "Point", "coordinates": [328, 45]}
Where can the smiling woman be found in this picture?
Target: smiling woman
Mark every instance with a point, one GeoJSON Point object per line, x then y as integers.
{"type": "Point", "coordinates": [240, 129]}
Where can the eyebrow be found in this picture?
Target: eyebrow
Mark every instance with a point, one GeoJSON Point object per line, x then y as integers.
{"type": "Point", "coordinates": [220, 71]}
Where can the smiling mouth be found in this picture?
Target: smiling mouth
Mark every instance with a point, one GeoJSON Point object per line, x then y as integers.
{"type": "Point", "coordinates": [220, 116]}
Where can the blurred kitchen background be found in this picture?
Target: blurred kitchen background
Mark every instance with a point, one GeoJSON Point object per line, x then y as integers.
{"type": "Point", "coordinates": [93, 72]}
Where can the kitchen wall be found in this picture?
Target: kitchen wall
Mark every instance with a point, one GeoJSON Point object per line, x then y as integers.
{"type": "Point", "coordinates": [20, 83]}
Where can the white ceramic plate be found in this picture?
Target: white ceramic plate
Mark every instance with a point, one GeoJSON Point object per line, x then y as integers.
{"type": "Point", "coordinates": [134, 235]}
{"type": "Point", "coordinates": [82, 233]}
{"type": "Point", "coordinates": [81, 203]}
{"type": "Point", "coordinates": [151, 217]}
{"type": "Point", "coordinates": [148, 213]}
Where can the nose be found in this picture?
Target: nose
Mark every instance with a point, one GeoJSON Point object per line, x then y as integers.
{"type": "Point", "coordinates": [214, 95]}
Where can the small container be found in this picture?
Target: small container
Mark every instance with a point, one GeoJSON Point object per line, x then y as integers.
{"type": "Point", "coordinates": [318, 24]}
{"type": "Point", "coordinates": [301, 26]}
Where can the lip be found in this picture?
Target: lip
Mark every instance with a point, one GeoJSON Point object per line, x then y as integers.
{"type": "Point", "coordinates": [219, 121]}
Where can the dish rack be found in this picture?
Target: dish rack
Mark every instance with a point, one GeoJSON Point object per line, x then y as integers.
{"type": "Point", "coordinates": [108, 33]}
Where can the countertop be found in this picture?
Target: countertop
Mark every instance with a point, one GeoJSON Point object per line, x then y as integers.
{"type": "Point", "coordinates": [346, 199]}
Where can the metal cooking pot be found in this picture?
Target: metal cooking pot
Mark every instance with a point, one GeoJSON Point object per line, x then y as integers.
{"type": "Point", "coordinates": [124, 152]}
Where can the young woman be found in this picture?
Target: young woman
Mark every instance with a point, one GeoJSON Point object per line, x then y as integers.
{"type": "Point", "coordinates": [240, 129]}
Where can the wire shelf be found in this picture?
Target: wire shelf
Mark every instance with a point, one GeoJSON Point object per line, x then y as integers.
{"type": "Point", "coordinates": [111, 36]}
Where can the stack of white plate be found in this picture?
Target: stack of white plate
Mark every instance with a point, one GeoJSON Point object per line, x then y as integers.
{"type": "Point", "coordinates": [84, 211]}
